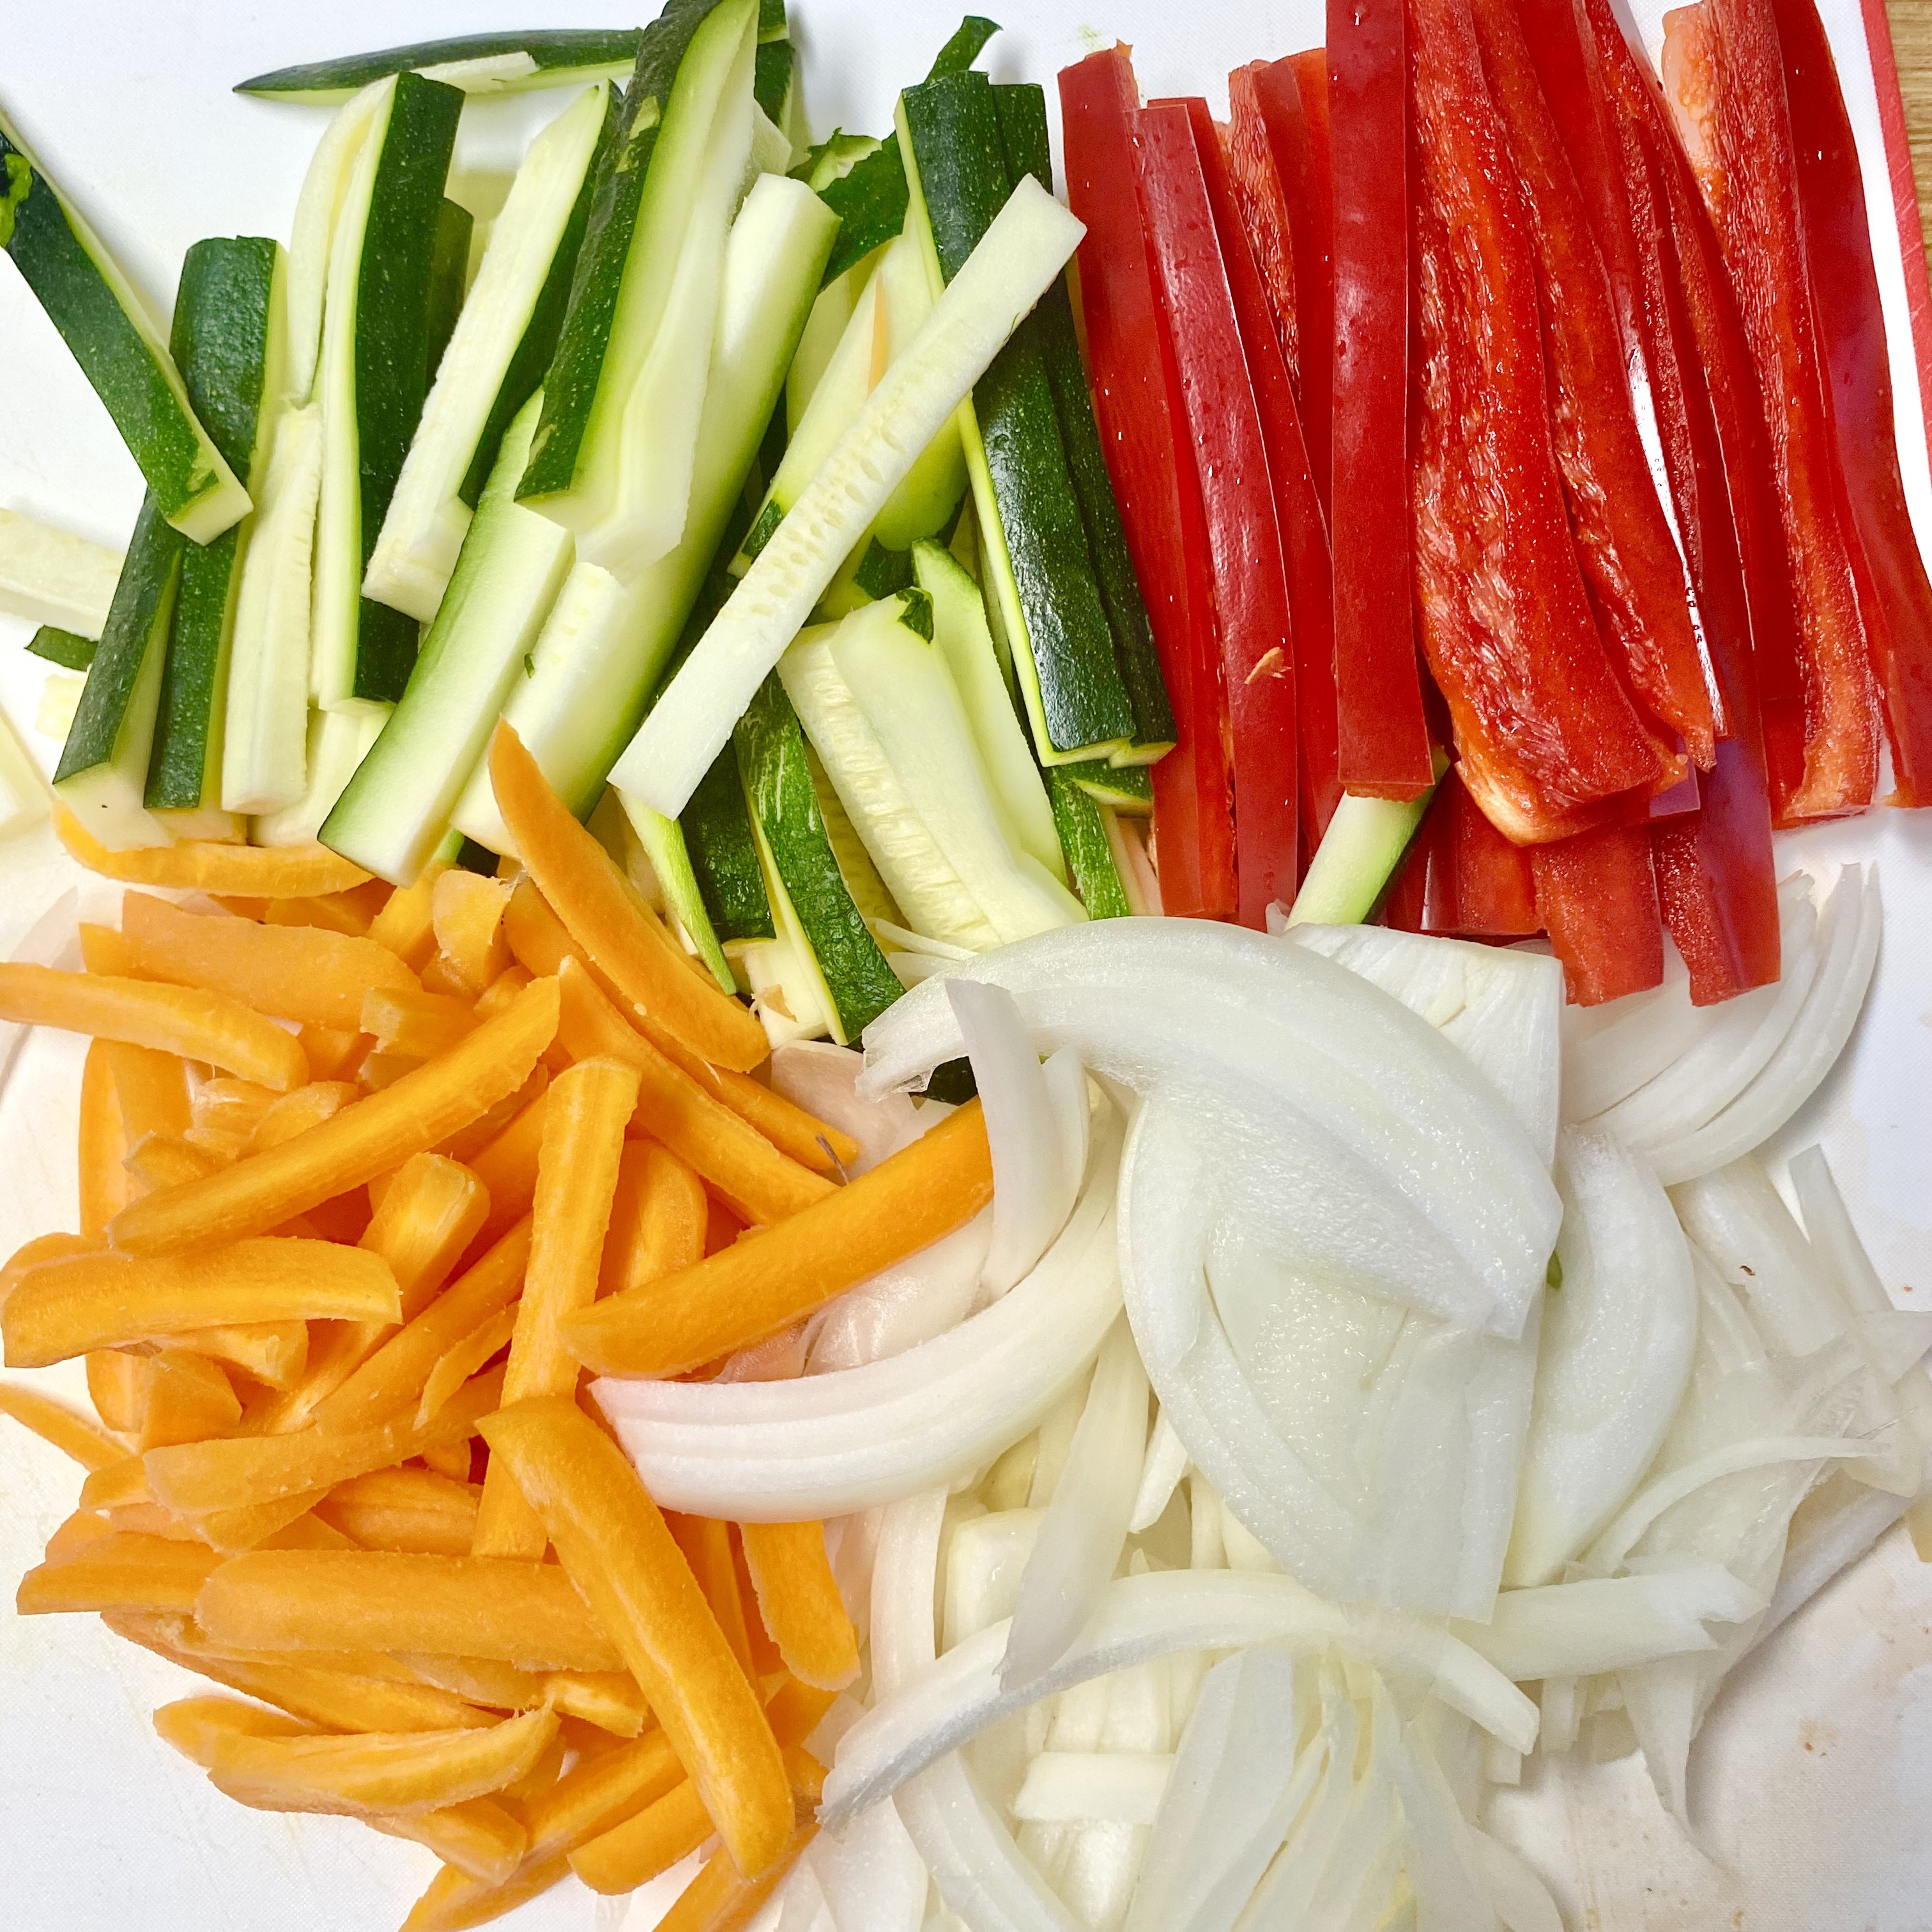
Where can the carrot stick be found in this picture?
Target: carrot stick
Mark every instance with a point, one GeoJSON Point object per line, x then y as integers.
{"type": "Point", "coordinates": [152, 1088]}
{"type": "Point", "coordinates": [369, 1139]}
{"type": "Point", "coordinates": [189, 1399]}
{"type": "Point", "coordinates": [173, 1019]}
{"type": "Point", "coordinates": [353, 912]}
{"type": "Point", "coordinates": [608, 1698]}
{"type": "Point", "coordinates": [162, 1160]}
{"type": "Point", "coordinates": [231, 1105]}
{"type": "Point", "coordinates": [270, 1352]}
{"type": "Point", "coordinates": [658, 1219]}
{"type": "Point", "coordinates": [42, 1248]}
{"type": "Point", "coordinates": [502, 990]}
{"type": "Point", "coordinates": [120, 1571]}
{"type": "Point", "coordinates": [406, 1020]}
{"type": "Point", "coordinates": [118, 1387]}
{"type": "Point", "coordinates": [257, 1525]}
{"type": "Point", "coordinates": [607, 918]}
{"type": "Point", "coordinates": [332, 1055]}
{"type": "Point", "coordinates": [718, 1899]}
{"type": "Point", "coordinates": [798, 1601]}
{"type": "Point", "coordinates": [755, 1287]}
{"type": "Point", "coordinates": [635, 1853]}
{"type": "Point", "coordinates": [392, 1379]}
{"type": "Point", "coordinates": [104, 1146]}
{"type": "Point", "coordinates": [576, 1174]}
{"type": "Point", "coordinates": [296, 1113]}
{"type": "Point", "coordinates": [383, 1774]}
{"type": "Point", "coordinates": [408, 1510]}
{"type": "Point", "coordinates": [194, 1726]}
{"type": "Point", "coordinates": [103, 950]}
{"type": "Point", "coordinates": [466, 911]}
{"type": "Point", "coordinates": [406, 924]}
{"type": "Point", "coordinates": [249, 871]}
{"type": "Point", "coordinates": [508, 1167]}
{"type": "Point", "coordinates": [65, 1308]}
{"type": "Point", "coordinates": [615, 1547]}
{"type": "Point", "coordinates": [673, 1108]}
{"type": "Point", "coordinates": [295, 972]}
{"type": "Point", "coordinates": [474, 1352]}
{"type": "Point", "coordinates": [527, 1614]}
{"type": "Point", "coordinates": [201, 1478]}
{"type": "Point", "coordinates": [71, 1433]}
{"type": "Point", "coordinates": [500, 1686]}
{"type": "Point", "coordinates": [125, 1481]}
{"type": "Point", "coordinates": [706, 1545]}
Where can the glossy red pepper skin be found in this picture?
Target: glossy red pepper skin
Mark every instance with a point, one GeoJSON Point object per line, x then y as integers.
{"type": "Point", "coordinates": [1304, 536]}
{"type": "Point", "coordinates": [1893, 590]}
{"type": "Point", "coordinates": [1623, 541]}
{"type": "Point", "coordinates": [1724, 82]}
{"type": "Point", "coordinates": [1261, 194]}
{"type": "Point", "coordinates": [1596, 894]}
{"type": "Point", "coordinates": [1464, 880]}
{"type": "Point", "coordinates": [1382, 734]}
{"type": "Point", "coordinates": [1137, 400]}
{"type": "Point", "coordinates": [1244, 544]}
{"type": "Point", "coordinates": [1542, 726]}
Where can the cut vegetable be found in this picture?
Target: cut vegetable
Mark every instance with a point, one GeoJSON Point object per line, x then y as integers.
{"type": "Point", "coordinates": [50, 576]}
{"type": "Point", "coordinates": [338, 742]}
{"type": "Point", "coordinates": [104, 322]}
{"type": "Point", "coordinates": [1081, 824]}
{"type": "Point", "coordinates": [685, 904]}
{"type": "Point", "coordinates": [372, 377]}
{"type": "Point", "coordinates": [1361, 851]}
{"type": "Point", "coordinates": [477, 63]}
{"type": "Point", "coordinates": [503, 341]}
{"type": "Point", "coordinates": [1027, 245]}
{"type": "Point", "coordinates": [394, 810]}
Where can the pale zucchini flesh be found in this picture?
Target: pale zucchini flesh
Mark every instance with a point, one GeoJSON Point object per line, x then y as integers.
{"type": "Point", "coordinates": [1028, 245]}
{"type": "Point", "coordinates": [338, 742]}
{"type": "Point", "coordinates": [107, 326]}
{"type": "Point", "coordinates": [1358, 856]}
{"type": "Point", "coordinates": [663, 843]}
{"type": "Point", "coordinates": [49, 576]}
{"type": "Point", "coordinates": [501, 63]}
{"type": "Point", "coordinates": [1090, 851]}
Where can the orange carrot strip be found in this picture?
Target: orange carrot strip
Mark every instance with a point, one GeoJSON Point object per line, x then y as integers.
{"type": "Point", "coordinates": [389, 1773]}
{"type": "Point", "coordinates": [103, 950]}
{"type": "Point", "coordinates": [189, 1399]}
{"type": "Point", "coordinates": [576, 1174]}
{"type": "Point", "coordinates": [392, 1379]}
{"type": "Point", "coordinates": [231, 1105]}
{"type": "Point", "coordinates": [201, 1478]}
{"type": "Point", "coordinates": [408, 1510]}
{"type": "Point", "coordinates": [120, 1571]}
{"type": "Point", "coordinates": [165, 1160]}
{"type": "Point", "coordinates": [353, 912]}
{"type": "Point", "coordinates": [798, 1601]}
{"type": "Point", "coordinates": [719, 1899]}
{"type": "Point", "coordinates": [765, 1657]}
{"type": "Point", "coordinates": [296, 1113]}
{"type": "Point", "coordinates": [152, 1088]}
{"type": "Point", "coordinates": [502, 990]}
{"type": "Point", "coordinates": [405, 925]}
{"type": "Point", "coordinates": [754, 1288]}
{"type": "Point", "coordinates": [527, 1614]}
{"type": "Point", "coordinates": [519, 1796]}
{"type": "Point", "coordinates": [251, 871]}
{"type": "Point", "coordinates": [707, 1544]}
{"type": "Point", "coordinates": [369, 1139]}
{"type": "Point", "coordinates": [407, 1021]}
{"type": "Point", "coordinates": [308, 1532]}
{"type": "Point", "coordinates": [112, 1483]}
{"type": "Point", "coordinates": [333, 1055]}
{"type": "Point", "coordinates": [104, 1146]}
{"type": "Point", "coordinates": [482, 1680]}
{"type": "Point", "coordinates": [118, 1387]}
{"type": "Point", "coordinates": [69, 1432]}
{"type": "Point", "coordinates": [42, 1248]}
{"type": "Point", "coordinates": [594, 901]}
{"type": "Point", "coordinates": [466, 911]}
{"type": "Point", "coordinates": [151, 1520]}
{"type": "Point", "coordinates": [658, 1219]}
{"type": "Point", "coordinates": [296, 972]}
{"type": "Point", "coordinates": [508, 1167]}
{"type": "Point", "coordinates": [473, 1353]}
{"type": "Point", "coordinates": [673, 1108]}
{"type": "Point", "coordinates": [75, 1532]}
{"type": "Point", "coordinates": [194, 1726]}
{"type": "Point", "coordinates": [481, 1839]}
{"type": "Point", "coordinates": [608, 1698]}
{"type": "Point", "coordinates": [633, 1853]}
{"type": "Point", "coordinates": [615, 1547]}
{"type": "Point", "coordinates": [173, 1019]}
{"type": "Point", "coordinates": [270, 1352]}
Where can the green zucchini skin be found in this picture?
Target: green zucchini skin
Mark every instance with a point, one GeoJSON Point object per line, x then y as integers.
{"type": "Point", "coordinates": [1083, 837]}
{"type": "Point", "coordinates": [225, 317]}
{"type": "Point", "coordinates": [541, 333]}
{"type": "Point", "coordinates": [449, 278]}
{"type": "Point", "coordinates": [1022, 112]}
{"type": "Point", "coordinates": [392, 342]}
{"type": "Point", "coordinates": [724, 856]}
{"type": "Point", "coordinates": [62, 647]}
{"type": "Point", "coordinates": [954, 124]}
{"type": "Point", "coordinates": [563, 54]}
{"type": "Point", "coordinates": [776, 772]}
{"type": "Point", "coordinates": [571, 386]}
{"type": "Point", "coordinates": [1126, 787]}
{"type": "Point", "coordinates": [100, 318]}
{"type": "Point", "coordinates": [776, 68]}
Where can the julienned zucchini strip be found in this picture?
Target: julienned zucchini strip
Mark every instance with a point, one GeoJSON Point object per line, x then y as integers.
{"type": "Point", "coordinates": [107, 326]}
{"type": "Point", "coordinates": [231, 340]}
{"type": "Point", "coordinates": [724, 856]}
{"type": "Point", "coordinates": [503, 340]}
{"type": "Point", "coordinates": [448, 281]}
{"type": "Point", "coordinates": [811, 903]}
{"type": "Point", "coordinates": [1022, 112]}
{"type": "Point", "coordinates": [50, 576]}
{"type": "Point", "coordinates": [373, 377]}
{"type": "Point", "coordinates": [73, 652]}
{"type": "Point", "coordinates": [1029, 516]}
{"type": "Point", "coordinates": [1083, 836]}
{"type": "Point", "coordinates": [504, 63]}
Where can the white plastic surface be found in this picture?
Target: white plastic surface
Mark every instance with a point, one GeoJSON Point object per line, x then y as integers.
{"type": "Point", "coordinates": [1810, 1783]}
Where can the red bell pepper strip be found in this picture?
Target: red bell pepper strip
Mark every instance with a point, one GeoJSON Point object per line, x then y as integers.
{"type": "Point", "coordinates": [1383, 736]}
{"type": "Point", "coordinates": [1893, 590]}
{"type": "Point", "coordinates": [1243, 533]}
{"type": "Point", "coordinates": [1597, 896]}
{"type": "Point", "coordinates": [1261, 191]}
{"type": "Point", "coordinates": [1464, 880]}
{"type": "Point", "coordinates": [1724, 82]}
{"type": "Point", "coordinates": [1542, 724]}
{"type": "Point", "coordinates": [1623, 541]}
{"type": "Point", "coordinates": [1304, 537]}
{"type": "Point", "coordinates": [1297, 118]}
{"type": "Point", "coordinates": [1137, 399]}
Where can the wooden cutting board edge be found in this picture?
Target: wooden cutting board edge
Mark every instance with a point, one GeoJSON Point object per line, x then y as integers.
{"type": "Point", "coordinates": [1911, 41]}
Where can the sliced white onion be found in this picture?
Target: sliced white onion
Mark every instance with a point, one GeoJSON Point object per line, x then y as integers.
{"type": "Point", "coordinates": [903, 1306]}
{"type": "Point", "coordinates": [1599, 1623]}
{"type": "Point", "coordinates": [1140, 1618]}
{"type": "Point", "coordinates": [984, 1564]}
{"type": "Point", "coordinates": [1834, 1527]}
{"type": "Point", "coordinates": [1443, 1866]}
{"type": "Point", "coordinates": [820, 1077]}
{"type": "Point", "coordinates": [1611, 1050]}
{"type": "Point", "coordinates": [1079, 1787]}
{"type": "Point", "coordinates": [827, 1445]}
{"type": "Point", "coordinates": [1072, 1109]}
{"type": "Point", "coordinates": [1235, 1790]}
{"type": "Point", "coordinates": [872, 1878]}
{"type": "Point", "coordinates": [1161, 1471]}
{"type": "Point", "coordinates": [1614, 1354]}
{"type": "Point", "coordinates": [1079, 1544]}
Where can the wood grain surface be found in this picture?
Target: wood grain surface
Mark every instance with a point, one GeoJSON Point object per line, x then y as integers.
{"type": "Point", "coordinates": [1911, 36]}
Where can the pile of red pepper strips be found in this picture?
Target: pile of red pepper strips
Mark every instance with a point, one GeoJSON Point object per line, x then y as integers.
{"type": "Point", "coordinates": [1469, 389]}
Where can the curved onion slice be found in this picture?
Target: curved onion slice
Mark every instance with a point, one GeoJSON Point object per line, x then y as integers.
{"type": "Point", "coordinates": [900, 1307]}
{"type": "Point", "coordinates": [1158, 1001]}
{"type": "Point", "coordinates": [1140, 1618]}
{"type": "Point", "coordinates": [819, 1077]}
{"type": "Point", "coordinates": [1161, 1471]}
{"type": "Point", "coordinates": [1613, 1357]}
{"type": "Point", "coordinates": [827, 1445]}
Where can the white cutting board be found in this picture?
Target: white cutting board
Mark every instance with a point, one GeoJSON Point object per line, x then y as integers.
{"type": "Point", "coordinates": [1809, 1782]}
